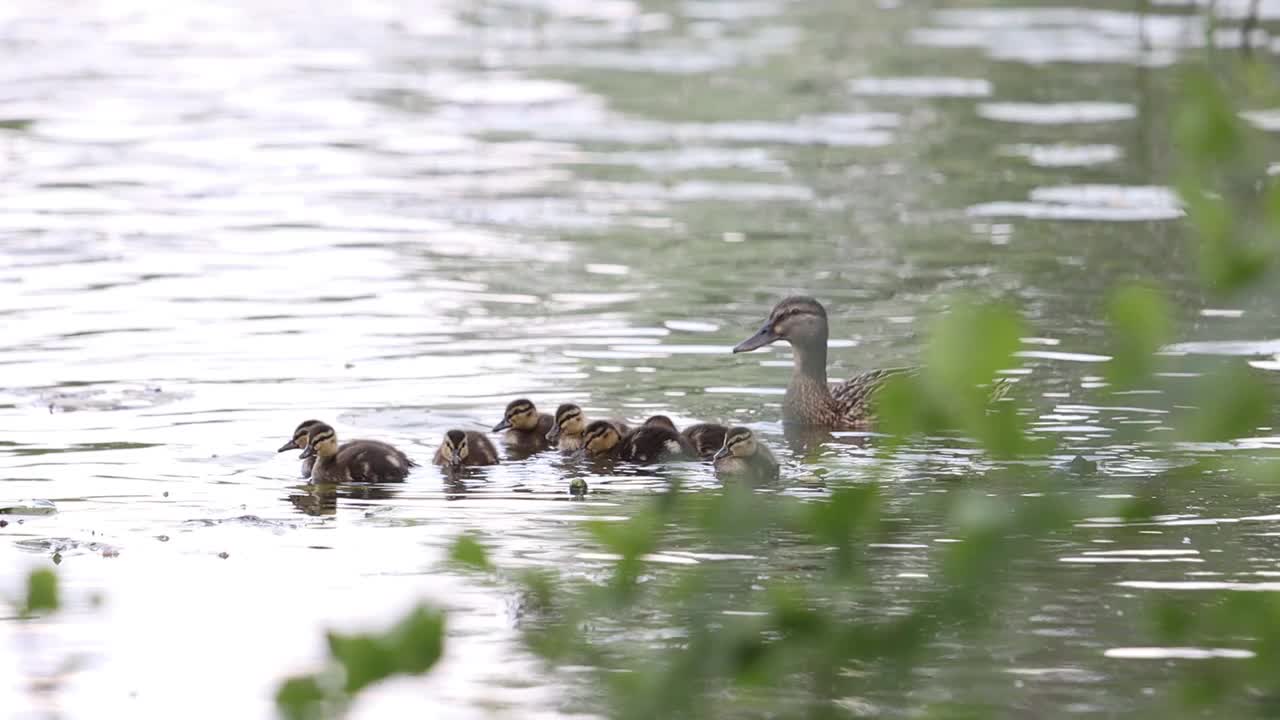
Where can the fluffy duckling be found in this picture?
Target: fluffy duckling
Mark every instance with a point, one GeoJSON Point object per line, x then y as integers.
{"type": "Point", "coordinates": [569, 426]}
{"type": "Point", "coordinates": [465, 448]}
{"type": "Point", "coordinates": [742, 455]}
{"type": "Point", "coordinates": [700, 439]}
{"type": "Point", "coordinates": [525, 426]}
{"type": "Point", "coordinates": [302, 436]}
{"type": "Point", "coordinates": [356, 461]}
{"type": "Point", "coordinates": [802, 322]}
{"type": "Point", "coordinates": [643, 445]}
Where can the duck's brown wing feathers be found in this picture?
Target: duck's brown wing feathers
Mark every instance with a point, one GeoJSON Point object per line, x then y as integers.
{"type": "Point", "coordinates": [853, 396]}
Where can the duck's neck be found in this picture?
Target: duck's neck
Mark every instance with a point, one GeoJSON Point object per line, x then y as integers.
{"type": "Point", "coordinates": [808, 400]}
{"type": "Point", "coordinates": [810, 363]}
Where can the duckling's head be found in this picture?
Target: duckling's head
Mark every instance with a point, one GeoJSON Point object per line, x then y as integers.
{"type": "Point", "coordinates": [738, 442]}
{"type": "Point", "coordinates": [569, 421]}
{"type": "Point", "coordinates": [520, 415]}
{"type": "Point", "coordinates": [323, 442]}
{"type": "Point", "coordinates": [800, 320]}
{"type": "Point", "coordinates": [661, 421]}
{"type": "Point", "coordinates": [600, 438]}
{"type": "Point", "coordinates": [301, 435]}
{"type": "Point", "coordinates": [455, 448]}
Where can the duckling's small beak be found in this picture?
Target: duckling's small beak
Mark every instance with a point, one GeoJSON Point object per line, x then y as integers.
{"type": "Point", "coordinates": [310, 451]}
{"type": "Point", "coordinates": [455, 463]}
{"type": "Point", "coordinates": [502, 425]}
{"type": "Point", "coordinates": [554, 433]}
{"type": "Point", "coordinates": [765, 336]}
{"type": "Point", "coordinates": [721, 453]}
{"type": "Point", "coordinates": [287, 446]}
{"type": "Point", "coordinates": [578, 455]}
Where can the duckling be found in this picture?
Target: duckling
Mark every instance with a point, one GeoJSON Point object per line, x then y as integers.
{"type": "Point", "coordinates": [356, 461]}
{"type": "Point", "coordinates": [465, 448]}
{"type": "Point", "coordinates": [301, 436]}
{"type": "Point", "coordinates": [802, 321]}
{"type": "Point", "coordinates": [569, 426]}
{"type": "Point", "coordinates": [743, 455]}
{"type": "Point", "coordinates": [643, 445]}
{"type": "Point", "coordinates": [526, 427]}
{"type": "Point", "coordinates": [700, 439]}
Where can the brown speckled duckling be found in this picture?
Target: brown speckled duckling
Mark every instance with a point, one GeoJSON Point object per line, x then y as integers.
{"type": "Point", "coordinates": [802, 321]}
{"type": "Point", "coordinates": [302, 436]}
{"type": "Point", "coordinates": [571, 424]}
{"type": "Point", "coordinates": [526, 427]}
{"type": "Point", "coordinates": [465, 448]}
{"type": "Point", "coordinates": [743, 455]}
{"type": "Point", "coordinates": [643, 445]}
{"type": "Point", "coordinates": [700, 439]}
{"type": "Point", "coordinates": [365, 461]}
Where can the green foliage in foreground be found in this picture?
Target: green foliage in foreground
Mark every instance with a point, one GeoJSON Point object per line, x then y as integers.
{"type": "Point", "coordinates": [42, 593]}
{"type": "Point", "coordinates": [826, 639]}
{"type": "Point", "coordinates": [411, 647]}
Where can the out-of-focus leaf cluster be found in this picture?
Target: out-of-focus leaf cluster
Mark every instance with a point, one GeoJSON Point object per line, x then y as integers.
{"type": "Point", "coordinates": [410, 647]}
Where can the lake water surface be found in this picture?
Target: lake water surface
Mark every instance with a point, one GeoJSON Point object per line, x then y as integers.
{"type": "Point", "coordinates": [218, 219]}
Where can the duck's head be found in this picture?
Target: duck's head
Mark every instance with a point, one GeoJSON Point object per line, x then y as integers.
{"type": "Point", "coordinates": [800, 320]}
{"type": "Point", "coordinates": [569, 421]}
{"type": "Point", "coordinates": [323, 442]}
{"type": "Point", "coordinates": [455, 448]}
{"type": "Point", "coordinates": [661, 421]}
{"type": "Point", "coordinates": [301, 435]}
{"type": "Point", "coordinates": [520, 415]}
{"type": "Point", "coordinates": [600, 438]}
{"type": "Point", "coordinates": [738, 442]}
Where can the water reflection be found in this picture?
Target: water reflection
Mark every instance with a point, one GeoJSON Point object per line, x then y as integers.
{"type": "Point", "coordinates": [401, 217]}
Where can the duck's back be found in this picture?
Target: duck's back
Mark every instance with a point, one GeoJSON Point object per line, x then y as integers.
{"type": "Point", "coordinates": [371, 461]}
{"type": "Point", "coordinates": [652, 443]}
{"type": "Point", "coordinates": [704, 439]}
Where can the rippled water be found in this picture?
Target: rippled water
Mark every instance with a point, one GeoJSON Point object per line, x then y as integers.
{"type": "Point", "coordinates": [219, 219]}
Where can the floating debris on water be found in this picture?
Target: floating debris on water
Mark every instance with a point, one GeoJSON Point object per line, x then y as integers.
{"type": "Point", "coordinates": [28, 507]}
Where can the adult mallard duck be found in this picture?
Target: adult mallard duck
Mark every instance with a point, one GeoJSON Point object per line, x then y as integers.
{"type": "Point", "coordinates": [802, 321]}
{"type": "Point", "coordinates": [465, 448]}
{"type": "Point", "coordinates": [810, 401]}
{"type": "Point", "coordinates": [744, 456]}
{"type": "Point", "coordinates": [356, 461]}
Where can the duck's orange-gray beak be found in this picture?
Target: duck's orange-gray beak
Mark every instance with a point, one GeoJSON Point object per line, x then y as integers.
{"type": "Point", "coordinates": [765, 336]}
{"type": "Point", "coordinates": [291, 445]}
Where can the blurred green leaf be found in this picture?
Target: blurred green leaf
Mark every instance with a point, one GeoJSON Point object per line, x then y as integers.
{"type": "Point", "coordinates": [965, 350]}
{"type": "Point", "coordinates": [1206, 127]}
{"type": "Point", "coordinates": [418, 640]}
{"type": "Point", "coordinates": [1139, 321]}
{"type": "Point", "coordinates": [1232, 403]}
{"type": "Point", "coordinates": [300, 698]}
{"type": "Point", "coordinates": [42, 592]}
{"type": "Point", "coordinates": [411, 647]}
{"type": "Point", "coordinates": [364, 658]}
{"type": "Point", "coordinates": [468, 551]}
{"type": "Point", "coordinates": [844, 521]}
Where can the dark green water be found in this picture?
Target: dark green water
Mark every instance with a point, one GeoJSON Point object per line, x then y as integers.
{"type": "Point", "coordinates": [217, 220]}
